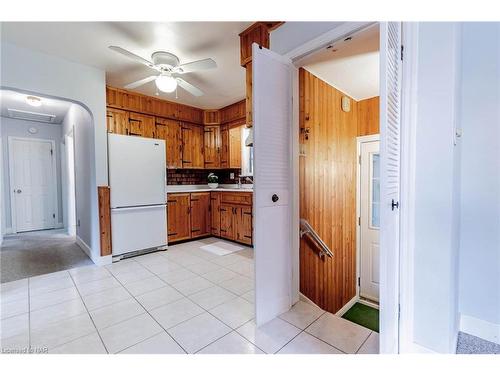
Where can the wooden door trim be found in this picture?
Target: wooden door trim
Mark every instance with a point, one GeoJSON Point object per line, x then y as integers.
{"type": "Point", "coordinates": [10, 140]}
{"type": "Point", "coordinates": [359, 142]}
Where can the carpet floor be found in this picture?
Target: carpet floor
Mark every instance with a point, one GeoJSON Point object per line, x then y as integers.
{"type": "Point", "coordinates": [36, 253]}
{"type": "Point", "coordinates": [363, 315]}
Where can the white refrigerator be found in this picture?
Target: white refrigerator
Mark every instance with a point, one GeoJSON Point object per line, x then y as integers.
{"type": "Point", "coordinates": [137, 180]}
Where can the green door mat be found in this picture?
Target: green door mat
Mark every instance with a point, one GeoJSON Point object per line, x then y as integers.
{"type": "Point", "coordinates": [363, 315]}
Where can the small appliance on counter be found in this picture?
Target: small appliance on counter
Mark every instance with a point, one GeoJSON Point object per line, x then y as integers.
{"type": "Point", "coordinates": [137, 180]}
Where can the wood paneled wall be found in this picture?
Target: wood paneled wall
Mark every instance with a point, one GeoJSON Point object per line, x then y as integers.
{"type": "Point", "coordinates": [103, 194]}
{"type": "Point", "coordinates": [368, 116]}
{"type": "Point", "coordinates": [328, 192]}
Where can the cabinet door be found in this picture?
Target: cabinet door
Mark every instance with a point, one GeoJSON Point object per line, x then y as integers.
{"type": "Point", "coordinates": [244, 225]}
{"type": "Point", "coordinates": [200, 214]}
{"type": "Point", "coordinates": [226, 221]}
{"type": "Point", "coordinates": [198, 151]}
{"type": "Point", "coordinates": [235, 147]}
{"type": "Point", "coordinates": [192, 146]}
{"type": "Point", "coordinates": [224, 151]}
{"type": "Point", "coordinates": [212, 146]}
{"type": "Point", "coordinates": [178, 217]}
{"type": "Point", "coordinates": [117, 121]}
{"type": "Point", "coordinates": [170, 131]}
{"type": "Point", "coordinates": [215, 213]}
{"type": "Point", "coordinates": [141, 125]}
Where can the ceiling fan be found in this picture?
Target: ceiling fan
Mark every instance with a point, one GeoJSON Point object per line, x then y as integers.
{"type": "Point", "coordinates": [169, 68]}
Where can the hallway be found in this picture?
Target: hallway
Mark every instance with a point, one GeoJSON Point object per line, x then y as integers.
{"type": "Point", "coordinates": [31, 254]}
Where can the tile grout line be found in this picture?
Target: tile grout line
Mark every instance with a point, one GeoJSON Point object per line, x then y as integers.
{"type": "Point", "coordinates": [152, 317]}
{"type": "Point", "coordinates": [88, 313]}
{"type": "Point", "coordinates": [363, 343]}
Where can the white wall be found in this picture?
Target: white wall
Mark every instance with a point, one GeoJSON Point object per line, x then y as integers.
{"type": "Point", "coordinates": [435, 315]}
{"type": "Point", "coordinates": [19, 128]}
{"type": "Point", "coordinates": [79, 119]}
{"type": "Point", "coordinates": [32, 71]}
{"type": "Point", "coordinates": [480, 190]}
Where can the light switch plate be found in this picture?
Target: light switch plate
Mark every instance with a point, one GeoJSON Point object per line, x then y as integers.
{"type": "Point", "coordinates": [231, 175]}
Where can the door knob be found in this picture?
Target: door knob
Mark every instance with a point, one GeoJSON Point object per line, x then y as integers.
{"type": "Point", "coordinates": [275, 198]}
{"type": "Point", "coordinates": [394, 205]}
{"type": "Point", "coordinates": [18, 191]}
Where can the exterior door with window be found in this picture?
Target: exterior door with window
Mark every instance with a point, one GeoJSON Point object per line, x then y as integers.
{"type": "Point", "coordinates": [370, 221]}
{"type": "Point", "coordinates": [32, 184]}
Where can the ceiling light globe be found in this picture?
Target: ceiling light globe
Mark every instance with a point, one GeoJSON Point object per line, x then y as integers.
{"type": "Point", "coordinates": [166, 83]}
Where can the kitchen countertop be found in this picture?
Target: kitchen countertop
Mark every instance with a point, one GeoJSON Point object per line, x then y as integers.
{"type": "Point", "coordinates": [202, 188]}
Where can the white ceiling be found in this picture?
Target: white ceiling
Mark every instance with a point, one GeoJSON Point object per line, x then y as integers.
{"type": "Point", "coordinates": [15, 100]}
{"type": "Point", "coordinates": [87, 43]}
{"type": "Point", "coordinates": [353, 68]}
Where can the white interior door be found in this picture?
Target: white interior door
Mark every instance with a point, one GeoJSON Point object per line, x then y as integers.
{"type": "Point", "coordinates": [390, 129]}
{"type": "Point", "coordinates": [32, 183]}
{"type": "Point", "coordinates": [370, 221]}
{"type": "Point", "coordinates": [272, 116]}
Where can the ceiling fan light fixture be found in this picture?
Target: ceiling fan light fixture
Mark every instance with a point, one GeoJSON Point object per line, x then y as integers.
{"type": "Point", "coordinates": [166, 83]}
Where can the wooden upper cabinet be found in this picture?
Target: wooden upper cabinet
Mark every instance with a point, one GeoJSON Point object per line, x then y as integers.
{"type": "Point", "coordinates": [141, 125]}
{"type": "Point", "coordinates": [248, 97]}
{"type": "Point", "coordinates": [190, 114]}
{"type": "Point", "coordinates": [233, 112]}
{"type": "Point", "coordinates": [165, 108]}
{"type": "Point", "coordinates": [117, 121]}
{"type": "Point", "coordinates": [201, 223]}
{"type": "Point", "coordinates": [256, 33]}
{"type": "Point", "coordinates": [178, 216]}
{"type": "Point", "coordinates": [224, 147]}
{"type": "Point", "coordinates": [235, 147]}
{"type": "Point", "coordinates": [211, 117]}
{"type": "Point", "coordinates": [192, 146]}
{"type": "Point", "coordinates": [215, 212]}
{"type": "Point", "coordinates": [170, 131]}
{"type": "Point", "coordinates": [212, 146]}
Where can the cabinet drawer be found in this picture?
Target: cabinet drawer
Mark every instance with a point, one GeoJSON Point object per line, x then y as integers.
{"type": "Point", "coordinates": [237, 198]}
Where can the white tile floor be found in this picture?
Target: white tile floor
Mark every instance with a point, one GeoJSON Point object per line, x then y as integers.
{"type": "Point", "coordinates": [184, 300]}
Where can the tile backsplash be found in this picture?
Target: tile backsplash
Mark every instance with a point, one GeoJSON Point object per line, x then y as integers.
{"type": "Point", "coordinates": [199, 176]}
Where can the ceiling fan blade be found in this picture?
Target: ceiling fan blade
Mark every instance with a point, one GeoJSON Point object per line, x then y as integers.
{"type": "Point", "coordinates": [194, 66]}
{"type": "Point", "coordinates": [133, 56]}
{"type": "Point", "coordinates": [140, 82]}
{"type": "Point", "coordinates": [193, 90]}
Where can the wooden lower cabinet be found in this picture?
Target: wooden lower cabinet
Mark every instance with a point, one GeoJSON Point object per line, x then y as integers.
{"type": "Point", "coordinates": [244, 225]}
{"type": "Point", "coordinates": [215, 213]}
{"type": "Point", "coordinates": [221, 214]}
{"type": "Point", "coordinates": [201, 222]}
{"type": "Point", "coordinates": [226, 221]}
{"type": "Point", "coordinates": [236, 217]}
{"type": "Point", "coordinates": [178, 217]}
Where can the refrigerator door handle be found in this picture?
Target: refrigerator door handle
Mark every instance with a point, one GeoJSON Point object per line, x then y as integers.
{"type": "Point", "coordinates": [137, 207]}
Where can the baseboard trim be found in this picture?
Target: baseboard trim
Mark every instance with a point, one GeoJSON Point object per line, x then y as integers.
{"type": "Point", "coordinates": [347, 306]}
{"type": "Point", "coordinates": [480, 328]}
{"type": "Point", "coordinates": [59, 225]}
{"type": "Point", "coordinates": [303, 298]}
{"type": "Point", "coordinates": [99, 261]}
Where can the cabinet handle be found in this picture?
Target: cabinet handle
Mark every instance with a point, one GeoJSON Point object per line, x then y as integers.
{"type": "Point", "coordinates": [172, 234]}
{"type": "Point", "coordinates": [247, 236]}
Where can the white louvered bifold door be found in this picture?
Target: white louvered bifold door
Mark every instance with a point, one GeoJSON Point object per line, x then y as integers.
{"type": "Point", "coordinates": [272, 123]}
{"type": "Point", "coordinates": [390, 130]}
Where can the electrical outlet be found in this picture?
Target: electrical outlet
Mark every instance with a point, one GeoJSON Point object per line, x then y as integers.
{"type": "Point", "coordinates": [231, 175]}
